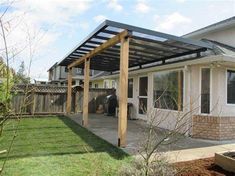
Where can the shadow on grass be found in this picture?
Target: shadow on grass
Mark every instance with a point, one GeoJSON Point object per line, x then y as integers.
{"type": "Point", "coordinates": [56, 136]}
{"type": "Point", "coordinates": [97, 143]}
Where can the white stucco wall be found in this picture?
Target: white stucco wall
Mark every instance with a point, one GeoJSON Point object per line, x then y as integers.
{"type": "Point", "coordinates": [225, 36]}
{"type": "Point", "coordinates": [226, 109]}
{"type": "Point", "coordinates": [192, 83]}
{"type": "Point", "coordinates": [219, 106]}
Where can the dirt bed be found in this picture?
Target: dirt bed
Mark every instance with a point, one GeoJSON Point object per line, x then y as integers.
{"type": "Point", "coordinates": [201, 167]}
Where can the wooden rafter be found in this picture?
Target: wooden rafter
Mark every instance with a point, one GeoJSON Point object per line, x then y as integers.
{"type": "Point", "coordinates": [113, 41]}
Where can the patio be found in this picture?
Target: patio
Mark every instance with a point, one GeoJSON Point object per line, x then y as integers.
{"type": "Point", "coordinates": [106, 127]}
{"type": "Point", "coordinates": [117, 48]}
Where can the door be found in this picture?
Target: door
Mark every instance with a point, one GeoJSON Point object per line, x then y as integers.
{"type": "Point", "coordinates": [143, 96]}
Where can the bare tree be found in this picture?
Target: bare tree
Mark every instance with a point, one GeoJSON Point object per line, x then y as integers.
{"type": "Point", "coordinates": [7, 86]}
{"type": "Point", "coordinates": [155, 140]}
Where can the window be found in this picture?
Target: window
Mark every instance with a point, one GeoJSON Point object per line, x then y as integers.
{"type": "Point", "coordinates": [96, 85]}
{"type": "Point", "coordinates": [79, 71]}
{"type": "Point", "coordinates": [106, 84]}
{"type": "Point", "coordinates": [130, 88]}
{"type": "Point", "coordinates": [230, 87]}
{"type": "Point", "coordinates": [113, 84]}
{"type": "Point", "coordinates": [168, 90]}
{"type": "Point", "coordinates": [143, 86]}
{"type": "Point", "coordinates": [205, 90]}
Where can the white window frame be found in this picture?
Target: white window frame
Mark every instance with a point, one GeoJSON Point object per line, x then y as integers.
{"type": "Point", "coordinates": [226, 87]}
{"type": "Point", "coordinates": [141, 116]}
{"type": "Point", "coordinates": [107, 83]}
{"type": "Point", "coordinates": [184, 93]}
{"type": "Point", "coordinates": [113, 83]}
{"type": "Point", "coordinates": [200, 90]}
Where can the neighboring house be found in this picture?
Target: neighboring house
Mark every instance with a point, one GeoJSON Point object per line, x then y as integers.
{"type": "Point", "coordinates": [102, 80]}
{"type": "Point", "coordinates": [41, 82]}
{"type": "Point", "coordinates": [58, 75]}
{"type": "Point", "coordinates": [200, 82]}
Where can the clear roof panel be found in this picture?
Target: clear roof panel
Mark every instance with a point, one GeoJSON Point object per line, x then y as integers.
{"type": "Point", "coordinates": [146, 47]}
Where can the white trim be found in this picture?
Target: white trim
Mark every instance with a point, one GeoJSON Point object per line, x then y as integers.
{"type": "Point", "coordinates": [200, 89]}
{"type": "Point", "coordinates": [226, 87]}
{"type": "Point", "coordinates": [106, 82]}
{"type": "Point", "coordinates": [142, 116]}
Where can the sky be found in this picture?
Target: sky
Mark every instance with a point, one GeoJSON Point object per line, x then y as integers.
{"type": "Point", "coordinates": [42, 32]}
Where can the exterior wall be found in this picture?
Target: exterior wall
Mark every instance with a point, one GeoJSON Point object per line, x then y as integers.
{"type": "Point", "coordinates": [192, 83]}
{"type": "Point", "coordinates": [63, 73]}
{"type": "Point", "coordinates": [101, 83]}
{"type": "Point", "coordinates": [219, 106]}
{"type": "Point", "coordinates": [225, 36]}
{"type": "Point", "coordinates": [226, 109]}
{"type": "Point", "coordinates": [214, 127]}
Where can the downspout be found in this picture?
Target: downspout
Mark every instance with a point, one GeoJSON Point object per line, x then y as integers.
{"type": "Point", "coordinates": [189, 106]}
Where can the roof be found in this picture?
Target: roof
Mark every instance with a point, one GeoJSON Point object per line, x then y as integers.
{"type": "Point", "coordinates": [222, 48]}
{"type": "Point", "coordinates": [146, 47]}
{"type": "Point", "coordinates": [227, 23]}
{"type": "Point", "coordinates": [52, 66]}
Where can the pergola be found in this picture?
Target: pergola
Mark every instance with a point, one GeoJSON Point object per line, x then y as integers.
{"type": "Point", "coordinates": [117, 47]}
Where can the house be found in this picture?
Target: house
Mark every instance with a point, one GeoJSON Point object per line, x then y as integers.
{"type": "Point", "coordinates": [194, 73]}
{"type": "Point", "coordinates": [102, 80]}
{"type": "Point", "coordinates": [58, 75]}
{"type": "Point", "coordinates": [40, 82]}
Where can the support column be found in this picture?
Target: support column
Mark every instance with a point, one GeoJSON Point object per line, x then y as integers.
{"type": "Point", "coordinates": [86, 92]}
{"type": "Point", "coordinates": [123, 86]}
{"type": "Point", "coordinates": [69, 91]}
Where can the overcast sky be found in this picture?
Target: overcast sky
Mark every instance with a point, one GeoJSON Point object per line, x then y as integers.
{"type": "Point", "coordinates": [53, 27]}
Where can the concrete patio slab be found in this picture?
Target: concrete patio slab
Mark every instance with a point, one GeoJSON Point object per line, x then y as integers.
{"type": "Point", "coordinates": [184, 149]}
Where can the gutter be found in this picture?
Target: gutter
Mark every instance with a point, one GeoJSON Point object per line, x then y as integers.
{"type": "Point", "coordinates": [202, 60]}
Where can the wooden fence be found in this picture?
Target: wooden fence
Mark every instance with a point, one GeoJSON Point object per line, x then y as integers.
{"type": "Point", "coordinates": [47, 99]}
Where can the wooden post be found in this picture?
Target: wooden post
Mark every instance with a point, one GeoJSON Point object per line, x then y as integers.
{"type": "Point", "coordinates": [86, 93]}
{"type": "Point", "coordinates": [123, 86]}
{"type": "Point", "coordinates": [69, 91]}
{"type": "Point", "coordinates": [33, 101]}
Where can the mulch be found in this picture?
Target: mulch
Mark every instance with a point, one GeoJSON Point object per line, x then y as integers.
{"type": "Point", "coordinates": [201, 167]}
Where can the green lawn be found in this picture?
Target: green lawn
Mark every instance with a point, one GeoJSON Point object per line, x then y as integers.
{"type": "Point", "coordinates": [58, 146]}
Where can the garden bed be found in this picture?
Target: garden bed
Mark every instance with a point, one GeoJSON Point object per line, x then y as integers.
{"type": "Point", "coordinates": [201, 167]}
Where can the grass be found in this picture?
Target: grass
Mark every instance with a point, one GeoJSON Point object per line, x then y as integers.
{"type": "Point", "coordinates": [58, 146]}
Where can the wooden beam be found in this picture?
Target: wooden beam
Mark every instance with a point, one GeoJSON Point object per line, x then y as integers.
{"type": "Point", "coordinates": [113, 41]}
{"type": "Point", "coordinates": [86, 93]}
{"type": "Point", "coordinates": [69, 91]}
{"type": "Point", "coordinates": [123, 86]}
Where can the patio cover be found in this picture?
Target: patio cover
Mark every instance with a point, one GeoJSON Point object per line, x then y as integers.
{"type": "Point", "coordinates": [146, 47]}
{"type": "Point", "coordinates": [116, 47]}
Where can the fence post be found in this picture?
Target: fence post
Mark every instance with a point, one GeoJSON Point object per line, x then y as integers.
{"type": "Point", "coordinates": [33, 101]}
